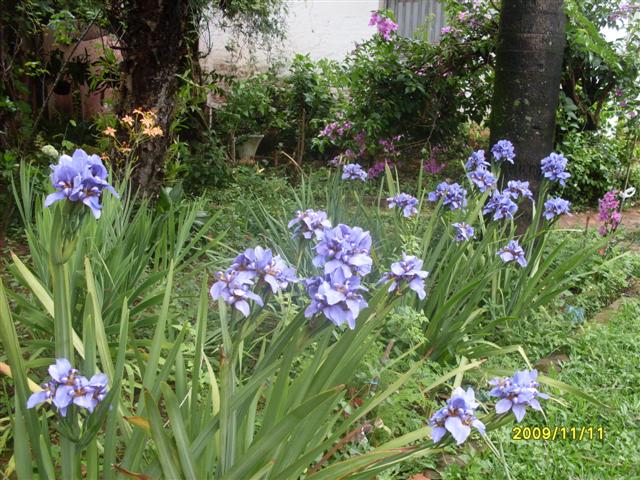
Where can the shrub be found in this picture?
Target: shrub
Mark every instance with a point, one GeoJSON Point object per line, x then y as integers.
{"type": "Point", "coordinates": [597, 164]}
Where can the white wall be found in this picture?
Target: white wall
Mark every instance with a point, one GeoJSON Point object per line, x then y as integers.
{"type": "Point", "coordinates": [320, 28]}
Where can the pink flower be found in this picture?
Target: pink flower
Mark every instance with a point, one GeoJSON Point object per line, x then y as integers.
{"type": "Point", "coordinates": [608, 213]}
{"type": "Point", "coordinates": [384, 24]}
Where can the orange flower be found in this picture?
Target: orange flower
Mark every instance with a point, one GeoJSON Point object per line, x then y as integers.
{"type": "Point", "coordinates": [147, 122]}
{"type": "Point", "coordinates": [137, 111]}
{"type": "Point", "coordinates": [153, 131]}
{"type": "Point", "coordinates": [109, 132]}
{"type": "Point", "coordinates": [127, 120]}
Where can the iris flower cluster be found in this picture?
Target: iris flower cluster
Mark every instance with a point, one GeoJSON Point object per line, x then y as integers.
{"type": "Point", "coordinates": [353, 171]}
{"type": "Point", "coordinates": [553, 168]}
{"type": "Point", "coordinates": [80, 178]}
{"type": "Point", "coordinates": [483, 179]}
{"type": "Point", "coordinates": [476, 161]}
{"type": "Point", "coordinates": [501, 205]}
{"type": "Point", "coordinates": [513, 252]}
{"type": "Point", "coordinates": [407, 203]}
{"type": "Point", "coordinates": [68, 387]}
{"type": "Point", "coordinates": [453, 195]}
{"type": "Point", "coordinates": [336, 296]}
{"type": "Point", "coordinates": [458, 415]}
{"type": "Point", "coordinates": [344, 248]}
{"type": "Point", "coordinates": [407, 271]}
{"type": "Point", "coordinates": [253, 266]}
{"type": "Point", "coordinates": [309, 223]}
{"type": "Point", "coordinates": [343, 253]}
{"type": "Point", "coordinates": [503, 151]}
{"type": "Point", "coordinates": [555, 207]}
{"type": "Point", "coordinates": [464, 232]}
{"type": "Point", "coordinates": [517, 392]}
{"type": "Point", "coordinates": [517, 189]}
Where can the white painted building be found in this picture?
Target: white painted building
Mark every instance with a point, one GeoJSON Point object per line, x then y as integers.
{"type": "Point", "coordinates": [320, 28]}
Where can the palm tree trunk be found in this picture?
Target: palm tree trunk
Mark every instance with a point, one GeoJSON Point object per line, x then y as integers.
{"type": "Point", "coordinates": [529, 58]}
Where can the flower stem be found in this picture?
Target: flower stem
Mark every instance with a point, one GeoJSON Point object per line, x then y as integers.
{"type": "Point", "coordinates": [63, 349]}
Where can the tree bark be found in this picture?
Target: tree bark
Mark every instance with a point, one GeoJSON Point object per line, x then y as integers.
{"type": "Point", "coordinates": [155, 43]}
{"type": "Point", "coordinates": [529, 58]}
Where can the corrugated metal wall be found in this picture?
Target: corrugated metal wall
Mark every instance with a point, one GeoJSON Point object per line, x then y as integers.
{"type": "Point", "coordinates": [412, 14]}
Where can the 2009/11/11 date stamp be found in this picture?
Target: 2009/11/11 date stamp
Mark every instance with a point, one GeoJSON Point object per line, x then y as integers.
{"type": "Point", "coordinates": [558, 433]}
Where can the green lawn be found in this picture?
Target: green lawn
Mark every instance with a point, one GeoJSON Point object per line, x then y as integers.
{"type": "Point", "coordinates": [605, 362]}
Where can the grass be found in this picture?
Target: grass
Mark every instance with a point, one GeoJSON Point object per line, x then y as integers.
{"type": "Point", "coordinates": [603, 361]}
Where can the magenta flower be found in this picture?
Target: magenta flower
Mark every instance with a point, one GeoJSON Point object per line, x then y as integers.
{"type": "Point", "coordinates": [609, 213]}
{"type": "Point", "coordinates": [446, 30]}
{"type": "Point", "coordinates": [384, 24]}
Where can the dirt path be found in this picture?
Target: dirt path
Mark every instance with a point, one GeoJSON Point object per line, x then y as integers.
{"type": "Point", "coordinates": [630, 220]}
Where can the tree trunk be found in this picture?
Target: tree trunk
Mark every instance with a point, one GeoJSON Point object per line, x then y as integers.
{"type": "Point", "coordinates": [155, 43]}
{"type": "Point", "coordinates": [527, 82]}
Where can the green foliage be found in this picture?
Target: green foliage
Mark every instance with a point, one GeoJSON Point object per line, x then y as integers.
{"type": "Point", "coordinates": [599, 72]}
{"type": "Point", "coordinates": [602, 359]}
{"type": "Point", "coordinates": [597, 163]}
{"type": "Point", "coordinates": [249, 106]}
{"type": "Point", "coordinates": [200, 394]}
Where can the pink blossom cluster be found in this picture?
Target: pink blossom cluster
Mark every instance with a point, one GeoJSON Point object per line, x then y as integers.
{"type": "Point", "coordinates": [384, 24]}
{"type": "Point", "coordinates": [378, 169]}
{"type": "Point", "coordinates": [624, 104]}
{"type": "Point", "coordinates": [431, 165]}
{"type": "Point", "coordinates": [335, 130]}
{"type": "Point", "coordinates": [389, 146]}
{"type": "Point", "coordinates": [625, 10]}
{"type": "Point", "coordinates": [609, 213]}
{"type": "Point", "coordinates": [361, 142]}
{"type": "Point", "coordinates": [338, 131]}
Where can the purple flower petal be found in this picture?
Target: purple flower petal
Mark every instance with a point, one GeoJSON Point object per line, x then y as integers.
{"type": "Point", "coordinates": [503, 406]}
{"type": "Point", "coordinates": [458, 430]}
